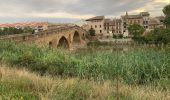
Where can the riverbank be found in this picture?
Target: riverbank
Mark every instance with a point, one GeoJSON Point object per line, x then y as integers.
{"type": "Point", "coordinates": [22, 84]}
{"type": "Point", "coordinates": [140, 66]}
{"type": "Point", "coordinates": [111, 41]}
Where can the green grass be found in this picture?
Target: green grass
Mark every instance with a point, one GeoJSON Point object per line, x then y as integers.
{"type": "Point", "coordinates": [20, 84]}
{"type": "Point", "coordinates": [138, 65]}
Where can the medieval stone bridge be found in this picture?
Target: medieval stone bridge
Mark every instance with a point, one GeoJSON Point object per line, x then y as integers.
{"type": "Point", "coordinates": [66, 37]}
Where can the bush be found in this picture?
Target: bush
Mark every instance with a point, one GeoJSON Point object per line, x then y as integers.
{"type": "Point", "coordinates": [137, 66]}
{"type": "Point", "coordinates": [12, 30]}
{"type": "Point", "coordinates": [119, 36]}
{"type": "Point", "coordinates": [158, 36]}
{"type": "Point", "coordinates": [92, 32]}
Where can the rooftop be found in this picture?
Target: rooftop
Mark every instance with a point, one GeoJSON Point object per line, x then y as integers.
{"type": "Point", "coordinates": [96, 18]}
{"type": "Point", "coordinates": [136, 16]}
{"type": "Point", "coordinates": [24, 24]}
{"type": "Point", "coordinates": [154, 21]}
{"type": "Point", "coordinates": [144, 14]}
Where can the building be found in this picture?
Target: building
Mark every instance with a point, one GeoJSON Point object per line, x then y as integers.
{"type": "Point", "coordinates": [37, 26]}
{"type": "Point", "coordinates": [141, 19]}
{"type": "Point", "coordinates": [112, 27]}
{"type": "Point", "coordinates": [105, 27]}
{"type": "Point", "coordinates": [83, 24]}
{"type": "Point", "coordinates": [109, 27]}
{"type": "Point", "coordinates": [118, 27]}
{"type": "Point", "coordinates": [156, 22]}
{"type": "Point", "coordinates": [97, 23]}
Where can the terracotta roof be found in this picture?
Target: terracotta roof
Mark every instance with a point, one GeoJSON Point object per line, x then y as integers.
{"type": "Point", "coordinates": [96, 18]}
{"type": "Point", "coordinates": [24, 24]}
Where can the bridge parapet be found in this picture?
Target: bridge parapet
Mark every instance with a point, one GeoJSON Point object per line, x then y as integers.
{"type": "Point", "coordinates": [48, 36]}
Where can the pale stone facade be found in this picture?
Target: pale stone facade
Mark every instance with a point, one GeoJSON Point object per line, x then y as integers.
{"type": "Point", "coordinates": [141, 19]}
{"type": "Point", "coordinates": [97, 23]}
{"type": "Point", "coordinates": [156, 22]}
{"type": "Point", "coordinates": [112, 27]}
{"type": "Point", "coordinates": [108, 27]}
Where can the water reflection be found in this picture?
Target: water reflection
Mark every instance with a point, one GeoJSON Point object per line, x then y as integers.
{"type": "Point", "coordinates": [113, 48]}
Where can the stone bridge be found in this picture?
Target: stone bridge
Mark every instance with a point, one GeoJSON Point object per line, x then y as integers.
{"type": "Point", "coordinates": [67, 37]}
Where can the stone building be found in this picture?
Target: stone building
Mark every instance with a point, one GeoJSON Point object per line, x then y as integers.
{"type": "Point", "coordinates": [112, 26]}
{"type": "Point", "coordinates": [97, 23]}
{"type": "Point", "coordinates": [156, 22]}
{"type": "Point", "coordinates": [108, 27]}
{"type": "Point", "coordinates": [142, 19]}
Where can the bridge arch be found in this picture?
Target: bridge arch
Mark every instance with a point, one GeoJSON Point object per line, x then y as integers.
{"type": "Point", "coordinates": [63, 43]}
{"type": "Point", "coordinates": [76, 38]}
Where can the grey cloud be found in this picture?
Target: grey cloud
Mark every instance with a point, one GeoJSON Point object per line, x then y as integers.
{"type": "Point", "coordinates": [97, 7]}
{"type": "Point", "coordinates": [78, 7]}
{"type": "Point", "coordinates": [106, 7]}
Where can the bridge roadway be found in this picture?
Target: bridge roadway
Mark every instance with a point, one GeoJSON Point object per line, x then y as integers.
{"type": "Point", "coordinates": [65, 37]}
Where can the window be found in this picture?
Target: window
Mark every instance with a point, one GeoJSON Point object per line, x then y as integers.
{"type": "Point", "coordinates": [100, 26]}
{"type": "Point", "coordinates": [95, 26]}
{"type": "Point", "coordinates": [131, 22]}
{"type": "Point", "coordinates": [138, 21]}
{"type": "Point", "coordinates": [146, 22]}
{"type": "Point", "coordinates": [100, 31]}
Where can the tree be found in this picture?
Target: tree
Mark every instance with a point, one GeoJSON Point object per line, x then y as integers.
{"type": "Point", "coordinates": [27, 29]}
{"type": "Point", "coordinates": [158, 36]}
{"type": "Point", "coordinates": [136, 30]}
{"type": "Point", "coordinates": [92, 32]}
{"type": "Point", "coordinates": [166, 11]}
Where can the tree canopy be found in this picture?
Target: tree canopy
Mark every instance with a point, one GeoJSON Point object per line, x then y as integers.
{"type": "Point", "coordinates": [136, 30]}
{"type": "Point", "coordinates": [92, 32]}
{"type": "Point", "coordinates": [166, 11]}
{"type": "Point", "coordinates": [12, 30]}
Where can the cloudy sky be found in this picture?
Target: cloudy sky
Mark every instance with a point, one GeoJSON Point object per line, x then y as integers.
{"type": "Point", "coordinates": [72, 10]}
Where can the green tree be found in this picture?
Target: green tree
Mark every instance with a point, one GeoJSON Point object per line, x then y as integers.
{"type": "Point", "coordinates": [158, 36]}
{"type": "Point", "coordinates": [166, 11]}
{"type": "Point", "coordinates": [92, 32]}
{"type": "Point", "coordinates": [136, 30]}
{"type": "Point", "coordinates": [27, 29]}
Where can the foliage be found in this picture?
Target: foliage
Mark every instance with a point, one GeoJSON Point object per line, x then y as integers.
{"type": "Point", "coordinates": [23, 85]}
{"type": "Point", "coordinates": [137, 66]}
{"type": "Point", "coordinates": [158, 36]}
{"type": "Point", "coordinates": [119, 36]}
{"type": "Point", "coordinates": [12, 30]}
{"type": "Point", "coordinates": [92, 32]}
{"type": "Point", "coordinates": [166, 11]}
{"type": "Point", "coordinates": [136, 30]}
{"type": "Point", "coordinates": [27, 29]}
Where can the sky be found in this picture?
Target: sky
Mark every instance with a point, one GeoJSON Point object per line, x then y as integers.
{"type": "Point", "coordinates": [62, 11]}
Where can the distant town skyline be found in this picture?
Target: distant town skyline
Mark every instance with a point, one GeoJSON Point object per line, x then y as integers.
{"type": "Point", "coordinates": [12, 11]}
